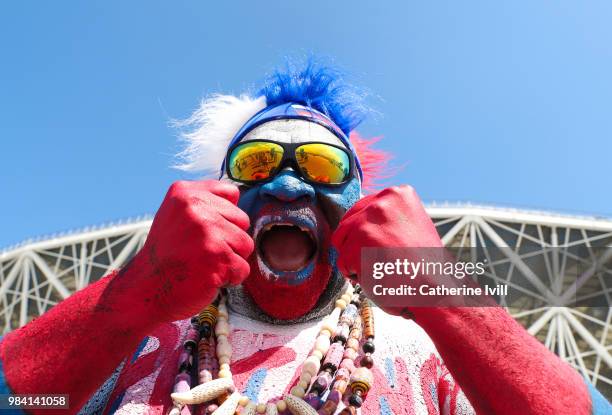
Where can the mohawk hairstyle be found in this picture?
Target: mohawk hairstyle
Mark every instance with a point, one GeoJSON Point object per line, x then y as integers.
{"type": "Point", "coordinates": [209, 130]}
{"type": "Point", "coordinates": [320, 87]}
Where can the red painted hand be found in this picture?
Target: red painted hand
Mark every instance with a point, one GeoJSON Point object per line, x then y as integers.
{"type": "Point", "coordinates": [392, 218]}
{"type": "Point", "coordinates": [498, 364]}
{"type": "Point", "coordinates": [197, 244]}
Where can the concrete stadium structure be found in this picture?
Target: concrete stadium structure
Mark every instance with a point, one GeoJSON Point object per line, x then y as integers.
{"type": "Point", "coordinates": [560, 265]}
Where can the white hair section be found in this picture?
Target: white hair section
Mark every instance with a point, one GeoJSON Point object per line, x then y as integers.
{"type": "Point", "coordinates": [209, 130]}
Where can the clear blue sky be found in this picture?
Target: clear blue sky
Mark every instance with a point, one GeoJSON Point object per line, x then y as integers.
{"type": "Point", "coordinates": [492, 102]}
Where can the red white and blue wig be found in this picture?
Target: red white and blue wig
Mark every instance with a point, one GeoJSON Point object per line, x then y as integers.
{"type": "Point", "coordinates": [316, 93]}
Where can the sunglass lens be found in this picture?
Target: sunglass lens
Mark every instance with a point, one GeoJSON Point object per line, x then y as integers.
{"type": "Point", "coordinates": [323, 163]}
{"type": "Point", "coordinates": [254, 161]}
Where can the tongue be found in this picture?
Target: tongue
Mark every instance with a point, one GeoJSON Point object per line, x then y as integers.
{"type": "Point", "coordinates": [286, 248]}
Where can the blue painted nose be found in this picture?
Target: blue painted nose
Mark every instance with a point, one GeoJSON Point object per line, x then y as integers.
{"type": "Point", "coordinates": [287, 186]}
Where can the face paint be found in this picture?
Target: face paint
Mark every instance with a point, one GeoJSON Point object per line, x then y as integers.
{"type": "Point", "coordinates": [336, 201]}
{"type": "Point", "coordinates": [291, 223]}
{"type": "Point", "coordinates": [293, 131]}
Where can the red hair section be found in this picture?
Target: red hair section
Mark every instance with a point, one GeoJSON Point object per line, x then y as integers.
{"type": "Point", "coordinates": [374, 162]}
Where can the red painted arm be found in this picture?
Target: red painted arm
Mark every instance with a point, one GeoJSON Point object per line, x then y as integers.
{"type": "Point", "coordinates": [197, 244]}
{"type": "Point", "coordinates": [75, 346]}
{"type": "Point", "coordinates": [500, 367]}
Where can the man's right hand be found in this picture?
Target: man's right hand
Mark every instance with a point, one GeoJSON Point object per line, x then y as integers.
{"type": "Point", "coordinates": [197, 244]}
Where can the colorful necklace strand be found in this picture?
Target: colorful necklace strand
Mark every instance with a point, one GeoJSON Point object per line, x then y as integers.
{"type": "Point", "coordinates": [328, 374]}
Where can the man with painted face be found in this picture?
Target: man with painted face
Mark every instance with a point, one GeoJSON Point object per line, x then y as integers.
{"type": "Point", "coordinates": [275, 231]}
{"type": "Point", "coordinates": [294, 200]}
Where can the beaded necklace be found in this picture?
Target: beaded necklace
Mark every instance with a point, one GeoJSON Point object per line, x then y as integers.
{"type": "Point", "coordinates": [326, 375]}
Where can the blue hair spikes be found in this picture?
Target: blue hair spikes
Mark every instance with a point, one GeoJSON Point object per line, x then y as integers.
{"type": "Point", "coordinates": [320, 87]}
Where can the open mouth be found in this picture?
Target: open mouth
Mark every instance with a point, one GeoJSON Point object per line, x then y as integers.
{"type": "Point", "coordinates": [286, 247]}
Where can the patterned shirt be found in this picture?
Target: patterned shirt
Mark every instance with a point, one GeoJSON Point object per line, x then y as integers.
{"type": "Point", "coordinates": [409, 375]}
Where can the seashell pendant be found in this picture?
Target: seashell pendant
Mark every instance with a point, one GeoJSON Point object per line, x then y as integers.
{"type": "Point", "coordinates": [204, 392]}
{"type": "Point", "coordinates": [229, 406]}
{"type": "Point", "coordinates": [298, 406]}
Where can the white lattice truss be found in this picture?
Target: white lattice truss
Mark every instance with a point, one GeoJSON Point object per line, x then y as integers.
{"type": "Point", "coordinates": [37, 275]}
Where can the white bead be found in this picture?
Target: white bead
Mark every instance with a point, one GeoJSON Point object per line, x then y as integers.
{"type": "Point", "coordinates": [305, 377]}
{"type": "Point", "coordinates": [244, 401]}
{"type": "Point", "coordinates": [322, 344]}
{"type": "Point", "coordinates": [222, 328]}
{"type": "Point", "coordinates": [341, 304]}
{"type": "Point", "coordinates": [226, 374]}
{"type": "Point", "coordinates": [325, 332]}
{"type": "Point", "coordinates": [298, 391]}
{"type": "Point", "coordinates": [224, 349]}
{"type": "Point", "coordinates": [311, 365]}
{"type": "Point", "coordinates": [347, 298]}
{"type": "Point", "coordinates": [317, 353]}
{"type": "Point", "coordinates": [329, 325]}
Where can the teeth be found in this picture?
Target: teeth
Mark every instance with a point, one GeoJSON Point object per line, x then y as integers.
{"type": "Point", "coordinates": [273, 224]}
{"type": "Point", "coordinates": [303, 228]}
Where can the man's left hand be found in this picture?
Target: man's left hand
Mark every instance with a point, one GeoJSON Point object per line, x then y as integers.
{"type": "Point", "coordinates": [392, 218]}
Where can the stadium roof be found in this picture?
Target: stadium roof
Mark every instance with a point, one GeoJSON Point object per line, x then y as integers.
{"type": "Point", "coordinates": [549, 277]}
{"type": "Point", "coordinates": [435, 209]}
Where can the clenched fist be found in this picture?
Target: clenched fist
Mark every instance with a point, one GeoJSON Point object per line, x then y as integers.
{"type": "Point", "coordinates": [392, 218]}
{"type": "Point", "coordinates": [197, 244]}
